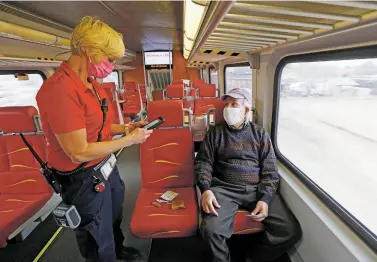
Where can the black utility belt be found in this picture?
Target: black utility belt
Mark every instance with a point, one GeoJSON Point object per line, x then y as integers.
{"type": "Point", "coordinates": [102, 171]}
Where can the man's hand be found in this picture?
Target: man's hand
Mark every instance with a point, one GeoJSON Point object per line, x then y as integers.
{"type": "Point", "coordinates": [260, 212]}
{"type": "Point", "coordinates": [133, 126]}
{"type": "Point", "coordinates": [209, 203]}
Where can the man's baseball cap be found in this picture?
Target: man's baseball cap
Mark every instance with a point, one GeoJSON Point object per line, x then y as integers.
{"type": "Point", "coordinates": [239, 93]}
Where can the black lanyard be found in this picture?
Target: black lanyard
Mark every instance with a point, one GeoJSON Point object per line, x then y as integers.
{"type": "Point", "coordinates": [104, 108]}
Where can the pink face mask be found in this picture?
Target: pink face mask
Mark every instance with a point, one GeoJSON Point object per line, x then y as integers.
{"type": "Point", "coordinates": [100, 70]}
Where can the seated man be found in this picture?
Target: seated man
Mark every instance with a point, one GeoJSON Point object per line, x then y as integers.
{"type": "Point", "coordinates": [236, 168]}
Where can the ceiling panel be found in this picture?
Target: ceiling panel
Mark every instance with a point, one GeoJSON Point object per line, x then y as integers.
{"type": "Point", "coordinates": [257, 25]}
{"type": "Point", "coordinates": [143, 24]}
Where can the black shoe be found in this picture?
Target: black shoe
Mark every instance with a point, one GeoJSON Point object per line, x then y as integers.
{"type": "Point", "coordinates": [128, 253]}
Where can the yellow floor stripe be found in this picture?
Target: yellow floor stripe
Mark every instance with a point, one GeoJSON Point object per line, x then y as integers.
{"type": "Point", "coordinates": [47, 245]}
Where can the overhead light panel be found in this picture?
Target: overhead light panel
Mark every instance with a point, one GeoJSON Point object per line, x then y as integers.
{"type": "Point", "coordinates": [193, 13]}
{"type": "Point", "coordinates": [186, 53]}
{"type": "Point", "coordinates": [188, 43]}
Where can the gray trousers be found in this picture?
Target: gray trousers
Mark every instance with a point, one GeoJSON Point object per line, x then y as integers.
{"type": "Point", "coordinates": [282, 229]}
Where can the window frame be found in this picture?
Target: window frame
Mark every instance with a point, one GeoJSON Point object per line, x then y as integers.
{"type": "Point", "coordinates": [367, 236]}
{"type": "Point", "coordinates": [209, 74]}
{"type": "Point", "coordinates": [27, 71]}
{"type": "Point", "coordinates": [234, 65]}
{"type": "Point", "coordinates": [12, 72]}
{"type": "Point", "coordinates": [118, 77]}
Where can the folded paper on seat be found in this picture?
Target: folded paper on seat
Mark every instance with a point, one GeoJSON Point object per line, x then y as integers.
{"type": "Point", "coordinates": [166, 197]}
{"type": "Point", "coordinates": [177, 204]}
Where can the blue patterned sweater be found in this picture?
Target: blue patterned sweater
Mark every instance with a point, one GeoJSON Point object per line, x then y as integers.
{"type": "Point", "coordinates": [239, 156]}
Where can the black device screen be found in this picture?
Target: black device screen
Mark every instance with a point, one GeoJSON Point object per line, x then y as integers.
{"type": "Point", "coordinates": [155, 123]}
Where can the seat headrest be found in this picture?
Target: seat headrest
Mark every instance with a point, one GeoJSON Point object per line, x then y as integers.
{"type": "Point", "coordinates": [109, 85]}
{"type": "Point", "coordinates": [202, 106]}
{"type": "Point", "coordinates": [17, 119]}
{"type": "Point", "coordinates": [130, 85]}
{"type": "Point", "coordinates": [180, 81]}
{"type": "Point", "coordinates": [207, 90]}
{"type": "Point", "coordinates": [170, 110]}
{"type": "Point", "coordinates": [198, 83]}
{"type": "Point", "coordinates": [175, 91]}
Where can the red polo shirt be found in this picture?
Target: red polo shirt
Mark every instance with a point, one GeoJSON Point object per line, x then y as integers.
{"type": "Point", "coordinates": [65, 105]}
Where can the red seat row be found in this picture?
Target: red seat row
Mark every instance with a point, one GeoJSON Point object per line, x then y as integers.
{"type": "Point", "coordinates": [166, 161]}
{"type": "Point", "coordinates": [23, 190]}
{"type": "Point", "coordinates": [127, 102]}
{"type": "Point", "coordinates": [206, 108]}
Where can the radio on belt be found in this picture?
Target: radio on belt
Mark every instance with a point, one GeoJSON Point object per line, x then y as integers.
{"type": "Point", "coordinates": [67, 216]}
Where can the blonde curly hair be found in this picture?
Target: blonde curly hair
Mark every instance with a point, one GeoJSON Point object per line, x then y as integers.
{"type": "Point", "coordinates": [96, 39]}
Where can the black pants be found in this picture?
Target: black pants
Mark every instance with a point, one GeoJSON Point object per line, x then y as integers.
{"type": "Point", "coordinates": [99, 234]}
{"type": "Point", "coordinates": [282, 229]}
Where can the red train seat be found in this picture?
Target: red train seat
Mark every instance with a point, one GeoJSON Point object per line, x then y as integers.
{"type": "Point", "coordinates": [208, 111]}
{"type": "Point", "coordinates": [23, 190]}
{"type": "Point", "coordinates": [166, 161]}
{"type": "Point", "coordinates": [130, 85]}
{"type": "Point", "coordinates": [177, 91]}
{"type": "Point", "coordinates": [111, 93]}
{"type": "Point", "coordinates": [207, 90]}
{"type": "Point", "coordinates": [132, 105]}
{"type": "Point", "coordinates": [198, 83]}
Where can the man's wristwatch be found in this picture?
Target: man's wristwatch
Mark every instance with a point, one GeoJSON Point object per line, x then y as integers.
{"type": "Point", "coordinates": [126, 129]}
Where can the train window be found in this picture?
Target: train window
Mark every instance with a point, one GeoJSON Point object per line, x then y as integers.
{"type": "Point", "coordinates": [204, 74]}
{"type": "Point", "coordinates": [19, 88]}
{"type": "Point", "coordinates": [213, 76]}
{"type": "Point", "coordinates": [113, 77]}
{"type": "Point", "coordinates": [238, 76]}
{"type": "Point", "coordinates": [326, 129]}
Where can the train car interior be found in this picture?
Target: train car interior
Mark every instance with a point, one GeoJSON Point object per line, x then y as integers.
{"type": "Point", "coordinates": [311, 67]}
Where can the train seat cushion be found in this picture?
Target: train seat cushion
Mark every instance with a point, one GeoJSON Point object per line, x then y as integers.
{"type": "Point", "coordinates": [245, 225]}
{"type": "Point", "coordinates": [26, 182]}
{"type": "Point", "coordinates": [152, 222]}
{"type": "Point", "coordinates": [23, 189]}
{"type": "Point", "coordinates": [167, 159]}
{"type": "Point", "coordinates": [15, 210]}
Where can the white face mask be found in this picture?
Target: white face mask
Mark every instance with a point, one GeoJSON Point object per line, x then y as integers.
{"type": "Point", "coordinates": [233, 115]}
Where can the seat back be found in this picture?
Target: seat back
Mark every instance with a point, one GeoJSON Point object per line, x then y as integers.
{"type": "Point", "coordinates": [143, 93]}
{"type": "Point", "coordinates": [19, 171]}
{"type": "Point", "coordinates": [198, 83]}
{"type": "Point", "coordinates": [207, 90]}
{"type": "Point", "coordinates": [131, 85]}
{"type": "Point", "coordinates": [167, 156]}
{"type": "Point", "coordinates": [158, 94]}
{"type": "Point", "coordinates": [178, 81]}
{"type": "Point", "coordinates": [109, 87]}
{"type": "Point", "coordinates": [111, 94]}
{"type": "Point", "coordinates": [132, 102]}
{"type": "Point", "coordinates": [213, 107]}
{"type": "Point", "coordinates": [176, 91]}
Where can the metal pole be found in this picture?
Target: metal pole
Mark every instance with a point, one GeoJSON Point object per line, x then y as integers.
{"type": "Point", "coordinates": [171, 78]}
